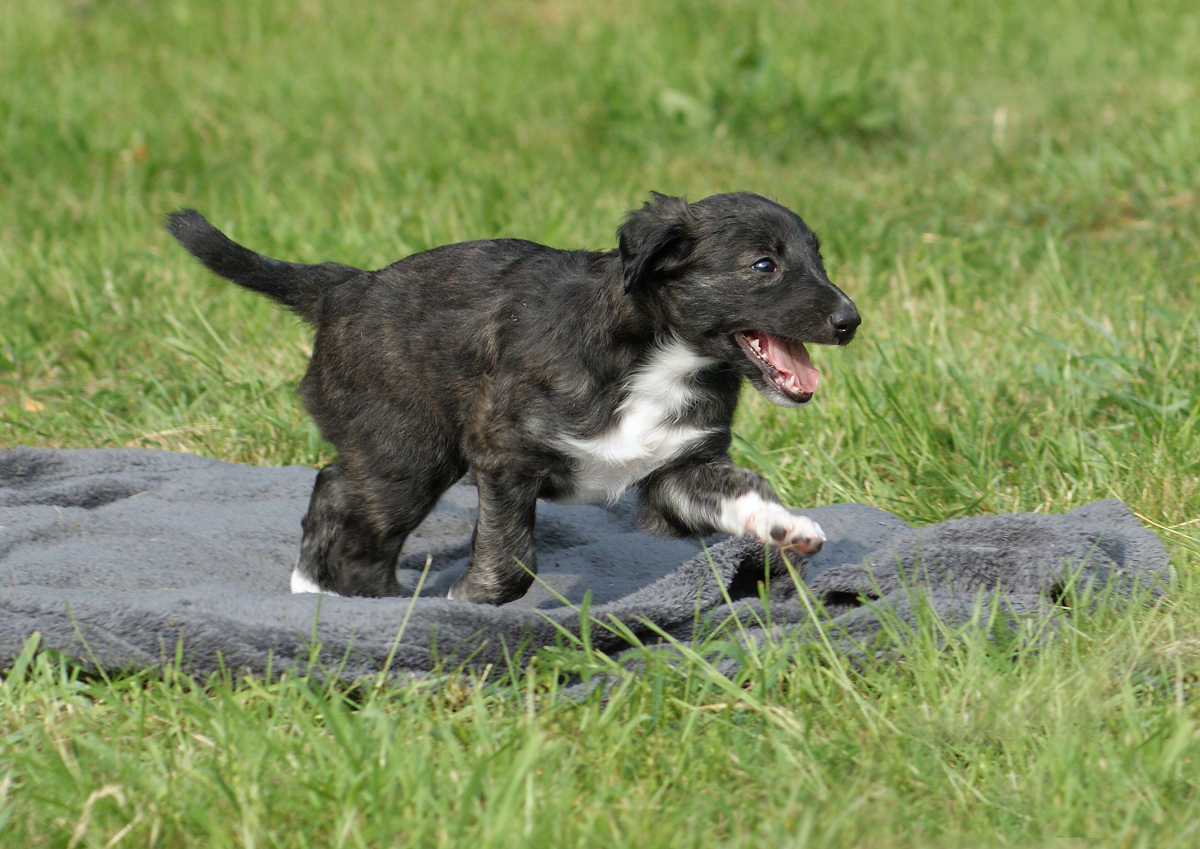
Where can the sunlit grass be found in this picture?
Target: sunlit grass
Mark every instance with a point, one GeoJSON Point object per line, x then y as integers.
{"type": "Point", "coordinates": [1009, 193]}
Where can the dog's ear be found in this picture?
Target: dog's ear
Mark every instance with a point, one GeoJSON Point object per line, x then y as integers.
{"type": "Point", "coordinates": [655, 240]}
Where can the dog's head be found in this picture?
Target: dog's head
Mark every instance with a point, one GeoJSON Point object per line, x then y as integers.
{"type": "Point", "coordinates": [738, 278]}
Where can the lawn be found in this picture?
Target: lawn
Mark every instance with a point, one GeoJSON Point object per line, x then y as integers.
{"type": "Point", "coordinates": [1009, 192]}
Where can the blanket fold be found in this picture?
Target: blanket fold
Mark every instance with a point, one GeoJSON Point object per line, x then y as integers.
{"type": "Point", "coordinates": [120, 558]}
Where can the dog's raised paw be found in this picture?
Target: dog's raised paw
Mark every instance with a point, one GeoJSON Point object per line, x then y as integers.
{"type": "Point", "coordinates": [793, 533]}
{"type": "Point", "coordinates": [774, 524]}
{"type": "Point", "coordinates": [804, 537]}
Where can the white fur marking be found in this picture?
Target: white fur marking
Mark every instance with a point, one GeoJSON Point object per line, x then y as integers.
{"type": "Point", "coordinates": [752, 514]}
{"type": "Point", "coordinates": [303, 584]}
{"type": "Point", "coordinates": [641, 438]}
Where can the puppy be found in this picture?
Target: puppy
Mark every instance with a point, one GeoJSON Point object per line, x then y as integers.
{"type": "Point", "coordinates": [566, 375]}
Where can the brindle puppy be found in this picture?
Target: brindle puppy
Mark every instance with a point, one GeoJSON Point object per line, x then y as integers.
{"type": "Point", "coordinates": [567, 375]}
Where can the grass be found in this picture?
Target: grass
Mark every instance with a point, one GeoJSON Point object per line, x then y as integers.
{"type": "Point", "coordinates": [1096, 737]}
{"type": "Point", "coordinates": [1008, 192]}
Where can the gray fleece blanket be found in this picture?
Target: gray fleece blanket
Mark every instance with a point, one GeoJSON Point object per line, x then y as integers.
{"type": "Point", "coordinates": [124, 559]}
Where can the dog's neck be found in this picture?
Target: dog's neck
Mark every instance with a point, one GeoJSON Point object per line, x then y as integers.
{"type": "Point", "coordinates": [638, 313]}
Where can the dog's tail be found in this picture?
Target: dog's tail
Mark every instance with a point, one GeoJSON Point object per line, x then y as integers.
{"type": "Point", "coordinates": [292, 284]}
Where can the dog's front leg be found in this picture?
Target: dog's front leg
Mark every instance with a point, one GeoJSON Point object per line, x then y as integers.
{"type": "Point", "coordinates": [697, 499]}
{"type": "Point", "coordinates": [503, 562]}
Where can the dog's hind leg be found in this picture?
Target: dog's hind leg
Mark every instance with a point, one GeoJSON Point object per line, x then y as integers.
{"type": "Point", "coordinates": [503, 562]}
{"type": "Point", "coordinates": [341, 552]}
{"type": "Point", "coordinates": [356, 525]}
{"type": "Point", "coordinates": [697, 499]}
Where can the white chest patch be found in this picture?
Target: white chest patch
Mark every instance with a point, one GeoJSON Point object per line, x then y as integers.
{"type": "Point", "coordinates": [643, 435]}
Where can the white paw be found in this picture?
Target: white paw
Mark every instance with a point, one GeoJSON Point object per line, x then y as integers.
{"type": "Point", "coordinates": [304, 584]}
{"type": "Point", "coordinates": [772, 523]}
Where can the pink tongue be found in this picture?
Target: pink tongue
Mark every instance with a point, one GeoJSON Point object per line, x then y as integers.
{"type": "Point", "coordinates": [797, 374]}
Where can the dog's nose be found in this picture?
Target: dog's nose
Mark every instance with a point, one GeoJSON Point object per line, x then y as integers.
{"type": "Point", "coordinates": [845, 321]}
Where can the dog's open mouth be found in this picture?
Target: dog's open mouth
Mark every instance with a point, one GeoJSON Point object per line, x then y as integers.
{"type": "Point", "coordinates": [784, 362]}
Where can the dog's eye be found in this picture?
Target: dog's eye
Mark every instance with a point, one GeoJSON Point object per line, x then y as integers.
{"type": "Point", "coordinates": [766, 265]}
